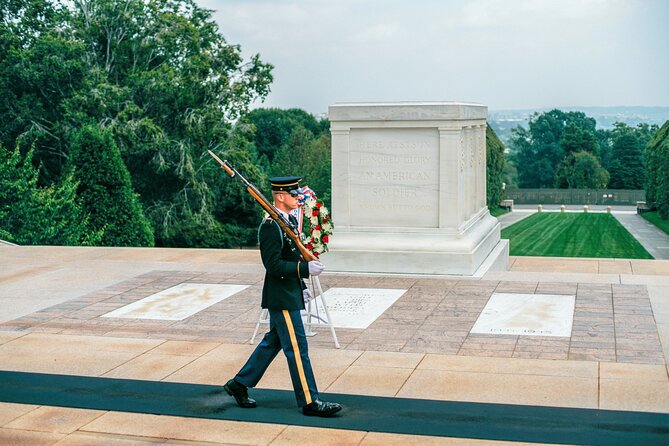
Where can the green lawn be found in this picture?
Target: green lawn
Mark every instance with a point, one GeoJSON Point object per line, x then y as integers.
{"type": "Point", "coordinates": [556, 234]}
{"type": "Point", "coordinates": [655, 219]}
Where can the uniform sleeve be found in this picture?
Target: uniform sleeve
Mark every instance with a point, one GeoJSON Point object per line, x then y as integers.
{"type": "Point", "coordinates": [270, 252]}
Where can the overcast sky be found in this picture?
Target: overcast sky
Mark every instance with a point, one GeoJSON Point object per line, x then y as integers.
{"type": "Point", "coordinates": [505, 54]}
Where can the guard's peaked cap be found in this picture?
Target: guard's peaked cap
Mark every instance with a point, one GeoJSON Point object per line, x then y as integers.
{"type": "Point", "coordinates": [285, 183]}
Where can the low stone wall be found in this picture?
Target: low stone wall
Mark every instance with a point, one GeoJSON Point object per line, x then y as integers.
{"type": "Point", "coordinates": [612, 197]}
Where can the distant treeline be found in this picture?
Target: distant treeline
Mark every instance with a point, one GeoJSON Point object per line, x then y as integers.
{"type": "Point", "coordinates": [565, 150]}
{"type": "Point", "coordinates": [504, 121]}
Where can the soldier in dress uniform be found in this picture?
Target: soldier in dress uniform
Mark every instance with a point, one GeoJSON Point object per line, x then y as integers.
{"type": "Point", "coordinates": [284, 294]}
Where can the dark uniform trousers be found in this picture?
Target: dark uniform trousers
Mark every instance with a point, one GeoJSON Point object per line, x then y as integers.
{"type": "Point", "coordinates": [287, 333]}
{"type": "Point", "coordinates": [282, 297]}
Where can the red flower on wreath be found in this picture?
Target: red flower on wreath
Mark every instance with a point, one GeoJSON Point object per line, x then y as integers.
{"type": "Point", "coordinates": [317, 220]}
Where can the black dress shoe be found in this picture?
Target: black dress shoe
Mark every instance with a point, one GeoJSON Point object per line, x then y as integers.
{"type": "Point", "coordinates": [240, 393]}
{"type": "Point", "coordinates": [320, 408]}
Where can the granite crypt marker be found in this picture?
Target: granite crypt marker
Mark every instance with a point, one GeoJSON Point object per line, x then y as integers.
{"type": "Point", "coordinates": [409, 190]}
{"type": "Point", "coordinates": [527, 315]}
{"type": "Point", "coordinates": [178, 302]}
{"type": "Point", "coordinates": [357, 307]}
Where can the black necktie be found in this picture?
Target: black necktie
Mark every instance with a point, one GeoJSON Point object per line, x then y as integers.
{"type": "Point", "coordinates": [292, 219]}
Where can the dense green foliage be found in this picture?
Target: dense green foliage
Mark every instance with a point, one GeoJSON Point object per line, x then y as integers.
{"type": "Point", "coordinates": [494, 169]}
{"type": "Point", "coordinates": [626, 146]}
{"type": "Point", "coordinates": [556, 234]}
{"type": "Point", "coordinates": [41, 70]}
{"type": "Point", "coordinates": [159, 83]}
{"type": "Point", "coordinates": [30, 214]}
{"type": "Point", "coordinates": [654, 218]}
{"type": "Point", "coordinates": [310, 158]}
{"type": "Point", "coordinates": [581, 170]}
{"type": "Point", "coordinates": [563, 149]}
{"type": "Point", "coordinates": [552, 137]}
{"type": "Point", "coordinates": [293, 142]}
{"type": "Point", "coordinates": [274, 129]}
{"type": "Point", "coordinates": [657, 172]}
{"type": "Point", "coordinates": [105, 190]}
{"type": "Point", "coordinates": [117, 101]}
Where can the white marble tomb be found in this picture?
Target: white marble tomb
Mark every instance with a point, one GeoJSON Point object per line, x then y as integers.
{"type": "Point", "coordinates": [178, 302]}
{"type": "Point", "coordinates": [409, 190]}
{"type": "Point", "coordinates": [527, 315]}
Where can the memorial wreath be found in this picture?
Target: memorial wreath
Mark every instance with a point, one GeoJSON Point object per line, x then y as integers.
{"type": "Point", "coordinates": [317, 218]}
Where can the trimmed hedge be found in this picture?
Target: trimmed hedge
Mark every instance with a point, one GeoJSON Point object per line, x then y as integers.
{"type": "Point", "coordinates": [657, 172]}
{"type": "Point", "coordinates": [494, 169]}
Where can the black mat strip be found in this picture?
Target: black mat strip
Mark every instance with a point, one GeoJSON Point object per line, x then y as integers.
{"type": "Point", "coordinates": [364, 413]}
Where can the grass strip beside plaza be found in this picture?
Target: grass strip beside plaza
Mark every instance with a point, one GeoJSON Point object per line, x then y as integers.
{"type": "Point", "coordinates": [658, 221]}
{"type": "Point", "coordinates": [557, 234]}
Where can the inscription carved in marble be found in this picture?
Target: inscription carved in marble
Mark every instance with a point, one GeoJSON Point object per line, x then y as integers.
{"type": "Point", "coordinates": [527, 315]}
{"type": "Point", "coordinates": [394, 172]}
{"type": "Point", "coordinates": [358, 307]}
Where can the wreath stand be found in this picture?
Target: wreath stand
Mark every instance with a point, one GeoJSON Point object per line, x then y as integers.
{"type": "Point", "coordinates": [311, 316]}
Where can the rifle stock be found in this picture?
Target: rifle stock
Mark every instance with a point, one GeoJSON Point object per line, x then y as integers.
{"type": "Point", "coordinates": [273, 212]}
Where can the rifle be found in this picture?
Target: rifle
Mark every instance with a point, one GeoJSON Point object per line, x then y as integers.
{"type": "Point", "coordinates": [273, 212]}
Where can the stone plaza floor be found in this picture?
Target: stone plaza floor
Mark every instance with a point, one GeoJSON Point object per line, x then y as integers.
{"type": "Point", "coordinates": [421, 351]}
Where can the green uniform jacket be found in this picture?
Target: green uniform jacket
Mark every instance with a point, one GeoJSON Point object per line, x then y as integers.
{"type": "Point", "coordinates": [285, 269]}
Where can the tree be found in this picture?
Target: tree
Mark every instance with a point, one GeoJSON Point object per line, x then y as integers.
{"type": "Point", "coordinates": [605, 145]}
{"type": "Point", "coordinates": [187, 87]}
{"type": "Point", "coordinates": [627, 155]}
{"type": "Point", "coordinates": [235, 215]}
{"type": "Point", "coordinates": [274, 128]}
{"type": "Point", "coordinates": [581, 170]}
{"type": "Point", "coordinates": [657, 172]}
{"type": "Point", "coordinates": [106, 191]}
{"type": "Point", "coordinates": [309, 158]}
{"type": "Point", "coordinates": [34, 215]}
{"type": "Point", "coordinates": [576, 139]}
{"type": "Point", "coordinates": [494, 169]}
{"type": "Point", "coordinates": [510, 174]}
{"type": "Point", "coordinates": [40, 67]}
{"type": "Point", "coordinates": [525, 159]}
{"type": "Point", "coordinates": [159, 75]}
{"type": "Point", "coordinates": [540, 150]}
{"type": "Point", "coordinates": [627, 166]}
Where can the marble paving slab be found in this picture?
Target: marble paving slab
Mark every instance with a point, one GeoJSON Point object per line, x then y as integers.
{"type": "Point", "coordinates": [527, 315]}
{"type": "Point", "coordinates": [357, 307]}
{"type": "Point", "coordinates": [178, 302]}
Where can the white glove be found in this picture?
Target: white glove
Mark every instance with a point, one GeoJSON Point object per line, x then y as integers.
{"type": "Point", "coordinates": [315, 268]}
{"type": "Point", "coordinates": [306, 295]}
